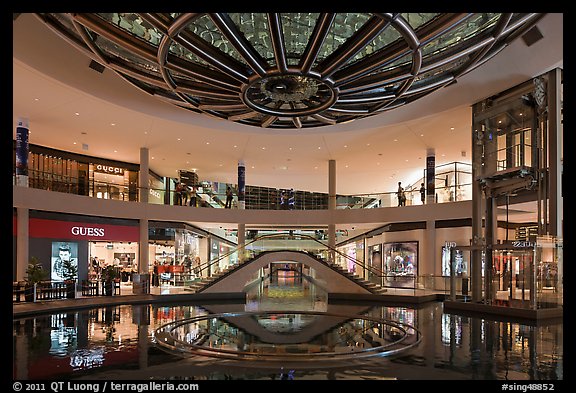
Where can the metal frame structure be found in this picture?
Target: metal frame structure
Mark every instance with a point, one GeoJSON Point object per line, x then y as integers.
{"type": "Point", "coordinates": [290, 70]}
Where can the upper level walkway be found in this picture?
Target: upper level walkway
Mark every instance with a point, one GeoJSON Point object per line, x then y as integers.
{"type": "Point", "coordinates": [37, 199]}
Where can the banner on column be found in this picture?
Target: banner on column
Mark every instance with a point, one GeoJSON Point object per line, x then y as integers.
{"type": "Point", "coordinates": [22, 150]}
{"type": "Point", "coordinates": [241, 185]}
{"type": "Point", "coordinates": [430, 175]}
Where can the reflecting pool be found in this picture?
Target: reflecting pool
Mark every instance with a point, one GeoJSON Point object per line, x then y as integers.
{"type": "Point", "coordinates": [284, 318]}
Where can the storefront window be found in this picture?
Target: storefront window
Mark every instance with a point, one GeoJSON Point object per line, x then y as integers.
{"type": "Point", "coordinates": [111, 182]}
{"type": "Point", "coordinates": [460, 263]}
{"type": "Point", "coordinates": [175, 256]}
{"type": "Point", "coordinates": [401, 264]}
{"type": "Point", "coordinates": [122, 255]}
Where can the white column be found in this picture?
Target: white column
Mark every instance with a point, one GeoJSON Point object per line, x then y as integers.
{"type": "Point", "coordinates": [143, 249]}
{"type": "Point", "coordinates": [430, 249]}
{"type": "Point", "coordinates": [332, 205]}
{"type": "Point", "coordinates": [241, 242]}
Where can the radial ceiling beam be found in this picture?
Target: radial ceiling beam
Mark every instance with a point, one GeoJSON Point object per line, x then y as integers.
{"type": "Point", "coordinates": [240, 43]}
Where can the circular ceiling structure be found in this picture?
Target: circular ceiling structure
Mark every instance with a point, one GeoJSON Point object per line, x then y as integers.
{"type": "Point", "coordinates": [290, 70]}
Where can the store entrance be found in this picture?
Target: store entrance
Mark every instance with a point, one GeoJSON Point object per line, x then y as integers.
{"type": "Point", "coordinates": [121, 255]}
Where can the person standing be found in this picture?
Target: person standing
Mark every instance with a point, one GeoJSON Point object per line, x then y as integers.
{"type": "Point", "coordinates": [401, 196]}
{"type": "Point", "coordinates": [178, 193]}
{"type": "Point", "coordinates": [155, 275]}
{"type": "Point", "coordinates": [422, 193]}
{"type": "Point", "coordinates": [193, 197]}
{"type": "Point", "coordinates": [229, 198]}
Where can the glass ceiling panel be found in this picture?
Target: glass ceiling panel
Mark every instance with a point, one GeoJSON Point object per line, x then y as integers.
{"type": "Point", "coordinates": [343, 27]}
{"type": "Point", "coordinates": [207, 30]}
{"type": "Point", "coordinates": [386, 37]}
{"type": "Point", "coordinates": [255, 29]}
{"type": "Point", "coordinates": [417, 19]}
{"type": "Point", "coordinates": [468, 28]}
{"type": "Point", "coordinates": [297, 97]}
{"type": "Point", "coordinates": [114, 50]}
{"type": "Point", "coordinates": [297, 28]}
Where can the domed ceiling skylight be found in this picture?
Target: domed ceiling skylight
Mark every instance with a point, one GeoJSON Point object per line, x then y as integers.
{"type": "Point", "coordinates": [290, 70]}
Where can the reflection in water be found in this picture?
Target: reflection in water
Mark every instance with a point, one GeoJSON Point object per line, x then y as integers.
{"type": "Point", "coordinates": [118, 342]}
{"type": "Point", "coordinates": [273, 337]}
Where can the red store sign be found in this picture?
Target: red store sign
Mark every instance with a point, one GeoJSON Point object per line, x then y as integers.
{"type": "Point", "coordinates": [69, 230]}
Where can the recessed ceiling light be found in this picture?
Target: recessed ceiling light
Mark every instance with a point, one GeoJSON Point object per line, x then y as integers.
{"type": "Point", "coordinates": [452, 128]}
{"type": "Point", "coordinates": [112, 124]}
{"type": "Point", "coordinates": [77, 114]}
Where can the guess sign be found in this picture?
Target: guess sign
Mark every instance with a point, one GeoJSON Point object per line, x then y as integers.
{"type": "Point", "coordinates": [52, 229]}
{"type": "Point", "coordinates": [88, 231]}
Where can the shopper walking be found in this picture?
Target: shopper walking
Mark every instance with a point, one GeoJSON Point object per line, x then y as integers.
{"type": "Point", "coordinates": [229, 198]}
{"type": "Point", "coordinates": [422, 193]}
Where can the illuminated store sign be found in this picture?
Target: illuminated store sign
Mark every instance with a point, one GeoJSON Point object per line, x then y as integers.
{"type": "Point", "coordinates": [68, 230]}
{"type": "Point", "coordinates": [109, 169]}
{"type": "Point", "coordinates": [87, 231]}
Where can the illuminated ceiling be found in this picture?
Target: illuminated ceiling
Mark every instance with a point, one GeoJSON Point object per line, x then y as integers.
{"type": "Point", "coordinates": [290, 70]}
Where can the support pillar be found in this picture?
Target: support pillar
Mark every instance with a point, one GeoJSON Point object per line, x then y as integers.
{"type": "Point", "coordinates": [241, 205]}
{"type": "Point", "coordinates": [241, 185]}
{"type": "Point", "coordinates": [22, 150]}
{"type": "Point", "coordinates": [241, 242]}
{"type": "Point", "coordinates": [430, 175]}
{"type": "Point", "coordinates": [22, 243]}
{"type": "Point", "coordinates": [332, 206]}
{"type": "Point", "coordinates": [430, 249]}
{"type": "Point", "coordinates": [141, 280]}
{"type": "Point", "coordinates": [555, 152]}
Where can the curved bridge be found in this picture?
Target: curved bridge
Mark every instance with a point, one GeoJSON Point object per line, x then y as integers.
{"type": "Point", "coordinates": [330, 278]}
